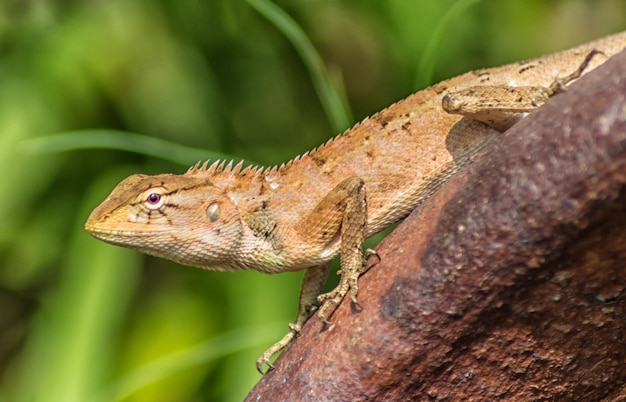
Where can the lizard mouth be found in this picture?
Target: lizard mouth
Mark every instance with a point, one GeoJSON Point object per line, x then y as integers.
{"type": "Point", "coordinates": [135, 240]}
{"type": "Point", "coordinates": [119, 237]}
{"type": "Point", "coordinates": [159, 243]}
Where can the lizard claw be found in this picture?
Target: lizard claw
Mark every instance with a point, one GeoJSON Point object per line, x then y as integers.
{"type": "Point", "coordinates": [330, 301]}
{"type": "Point", "coordinates": [325, 306]}
{"type": "Point", "coordinates": [265, 359]}
{"type": "Point", "coordinates": [294, 330]}
{"type": "Point", "coordinates": [370, 252]}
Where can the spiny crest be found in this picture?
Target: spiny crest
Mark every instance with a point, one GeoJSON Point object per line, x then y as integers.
{"type": "Point", "coordinates": [294, 160]}
{"type": "Point", "coordinates": [273, 169]}
{"type": "Point", "coordinates": [319, 148]}
{"type": "Point", "coordinates": [224, 167]}
{"type": "Point", "coordinates": [218, 166]}
{"type": "Point", "coordinates": [221, 166]}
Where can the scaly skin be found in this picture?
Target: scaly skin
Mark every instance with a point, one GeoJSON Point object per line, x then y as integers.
{"type": "Point", "coordinates": [302, 214]}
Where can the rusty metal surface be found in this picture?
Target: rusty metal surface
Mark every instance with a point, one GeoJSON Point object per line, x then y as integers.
{"type": "Point", "coordinates": [510, 282]}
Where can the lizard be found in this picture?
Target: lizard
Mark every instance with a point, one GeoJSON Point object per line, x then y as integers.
{"type": "Point", "coordinates": [302, 214]}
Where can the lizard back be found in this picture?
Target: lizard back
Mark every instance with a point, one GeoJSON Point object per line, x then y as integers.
{"type": "Point", "coordinates": [402, 154]}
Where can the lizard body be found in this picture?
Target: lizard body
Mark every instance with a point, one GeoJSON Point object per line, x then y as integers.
{"type": "Point", "coordinates": [300, 215]}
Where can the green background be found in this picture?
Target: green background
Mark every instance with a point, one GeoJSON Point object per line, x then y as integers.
{"type": "Point", "coordinates": [92, 91]}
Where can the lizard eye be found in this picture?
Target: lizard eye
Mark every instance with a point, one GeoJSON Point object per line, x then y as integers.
{"type": "Point", "coordinates": [213, 212]}
{"type": "Point", "coordinates": [154, 200]}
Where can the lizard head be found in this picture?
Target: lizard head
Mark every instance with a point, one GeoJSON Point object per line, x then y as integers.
{"type": "Point", "coordinates": [177, 217]}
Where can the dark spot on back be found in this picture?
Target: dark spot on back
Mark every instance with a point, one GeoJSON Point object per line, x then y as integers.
{"type": "Point", "coordinates": [318, 159]}
{"type": "Point", "coordinates": [526, 68]}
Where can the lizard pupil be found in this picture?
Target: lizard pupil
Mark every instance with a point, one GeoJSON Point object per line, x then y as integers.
{"type": "Point", "coordinates": [154, 198]}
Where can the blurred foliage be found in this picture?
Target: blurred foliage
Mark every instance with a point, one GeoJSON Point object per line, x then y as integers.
{"type": "Point", "coordinates": [91, 91]}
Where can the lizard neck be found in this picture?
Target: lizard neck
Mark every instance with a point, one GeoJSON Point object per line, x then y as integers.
{"type": "Point", "coordinates": [269, 213]}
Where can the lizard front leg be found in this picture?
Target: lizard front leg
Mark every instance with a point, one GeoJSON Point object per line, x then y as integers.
{"type": "Point", "coordinates": [312, 284]}
{"type": "Point", "coordinates": [347, 201]}
{"type": "Point", "coordinates": [343, 213]}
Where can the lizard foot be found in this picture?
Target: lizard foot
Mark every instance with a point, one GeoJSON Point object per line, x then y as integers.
{"type": "Point", "coordinates": [349, 282]}
{"type": "Point", "coordinates": [560, 84]}
{"type": "Point", "coordinates": [329, 301]}
{"type": "Point", "coordinates": [264, 359]}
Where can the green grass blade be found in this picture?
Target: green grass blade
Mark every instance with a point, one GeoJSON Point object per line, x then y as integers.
{"type": "Point", "coordinates": [337, 110]}
{"type": "Point", "coordinates": [121, 140]}
{"type": "Point", "coordinates": [70, 348]}
{"type": "Point", "coordinates": [424, 75]}
{"type": "Point", "coordinates": [202, 353]}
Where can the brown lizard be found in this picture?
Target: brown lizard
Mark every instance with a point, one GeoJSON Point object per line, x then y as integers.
{"type": "Point", "coordinates": [300, 215]}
